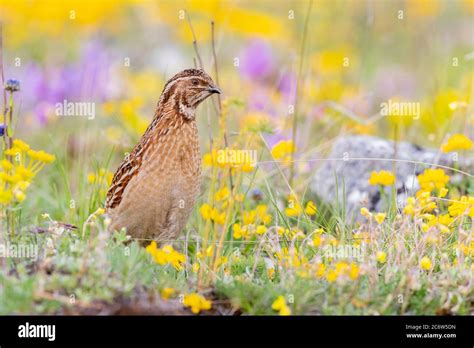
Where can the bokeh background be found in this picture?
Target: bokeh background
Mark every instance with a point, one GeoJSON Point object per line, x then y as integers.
{"type": "Point", "coordinates": [118, 55]}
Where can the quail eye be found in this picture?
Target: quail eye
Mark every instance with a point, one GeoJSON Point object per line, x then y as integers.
{"type": "Point", "coordinates": [195, 82]}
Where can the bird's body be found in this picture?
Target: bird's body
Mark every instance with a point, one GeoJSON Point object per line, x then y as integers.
{"type": "Point", "coordinates": [154, 189]}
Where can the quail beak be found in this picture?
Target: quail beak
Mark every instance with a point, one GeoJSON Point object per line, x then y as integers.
{"type": "Point", "coordinates": [214, 90]}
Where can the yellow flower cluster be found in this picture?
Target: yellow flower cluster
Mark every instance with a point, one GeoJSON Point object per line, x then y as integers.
{"type": "Point", "coordinates": [166, 255]}
{"type": "Point", "coordinates": [103, 176]}
{"type": "Point", "coordinates": [253, 223]}
{"type": "Point", "coordinates": [432, 179]}
{"type": "Point", "coordinates": [292, 258]}
{"type": "Point", "coordinates": [465, 205]}
{"type": "Point", "coordinates": [100, 180]}
{"type": "Point", "coordinates": [283, 150]}
{"type": "Point", "coordinates": [441, 222]}
{"type": "Point", "coordinates": [343, 269]}
{"type": "Point", "coordinates": [383, 177]}
{"type": "Point", "coordinates": [421, 204]}
{"type": "Point", "coordinates": [256, 122]}
{"type": "Point", "coordinates": [457, 142]}
{"type": "Point", "coordinates": [379, 217]}
{"type": "Point", "coordinates": [166, 293]}
{"type": "Point", "coordinates": [212, 214]}
{"type": "Point", "coordinates": [18, 171]}
{"type": "Point", "coordinates": [280, 306]}
{"type": "Point", "coordinates": [196, 302]}
{"type": "Point", "coordinates": [295, 209]}
{"type": "Point", "coordinates": [425, 208]}
{"type": "Point", "coordinates": [381, 256]}
{"type": "Point", "coordinates": [290, 233]}
{"type": "Point", "coordinates": [424, 202]}
{"type": "Point", "coordinates": [128, 114]}
{"type": "Point", "coordinates": [425, 263]}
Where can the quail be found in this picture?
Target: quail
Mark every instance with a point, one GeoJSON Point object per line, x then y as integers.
{"type": "Point", "coordinates": [154, 189]}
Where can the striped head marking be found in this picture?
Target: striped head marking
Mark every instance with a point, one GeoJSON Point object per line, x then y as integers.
{"type": "Point", "coordinates": [187, 89]}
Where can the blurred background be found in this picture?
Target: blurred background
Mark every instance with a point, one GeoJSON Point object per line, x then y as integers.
{"type": "Point", "coordinates": [354, 55]}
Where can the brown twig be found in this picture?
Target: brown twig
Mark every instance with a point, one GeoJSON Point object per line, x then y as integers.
{"type": "Point", "coordinates": [298, 82]}
{"type": "Point", "coordinates": [5, 107]}
{"type": "Point", "coordinates": [216, 73]}
{"type": "Point", "coordinates": [216, 68]}
{"type": "Point", "coordinates": [201, 66]}
{"type": "Point", "coordinates": [196, 50]}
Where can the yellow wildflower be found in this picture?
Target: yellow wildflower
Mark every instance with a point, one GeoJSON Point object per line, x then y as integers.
{"type": "Point", "coordinates": [20, 145]}
{"type": "Point", "coordinates": [249, 217]}
{"type": "Point", "coordinates": [283, 150]}
{"type": "Point", "coordinates": [91, 178]}
{"type": "Point", "coordinates": [210, 251]}
{"type": "Point", "coordinates": [443, 192]}
{"type": "Point", "coordinates": [331, 276]}
{"type": "Point", "coordinates": [166, 293]}
{"type": "Point", "coordinates": [365, 212]}
{"type": "Point", "coordinates": [20, 196]}
{"type": "Point", "coordinates": [23, 185]}
{"type": "Point", "coordinates": [261, 213]}
{"type": "Point", "coordinates": [425, 263]}
{"type": "Point", "coordinates": [41, 156]}
{"type": "Point", "coordinates": [384, 178]}
{"type": "Point", "coordinates": [280, 305]}
{"type": "Point", "coordinates": [354, 271]}
{"type": "Point", "coordinates": [255, 122]}
{"type": "Point", "coordinates": [221, 261]}
{"type": "Point", "coordinates": [166, 255]}
{"type": "Point", "coordinates": [14, 151]}
{"type": "Point", "coordinates": [205, 211]}
{"type": "Point", "coordinates": [380, 217]}
{"type": "Point", "coordinates": [317, 239]}
{"type": "Point", "coordinates": [6, 165]}
{"type": "Point", "coordinates": [222, 194]}
{"type": "Point", "coordinates": [196, 302]}
{"type": "Point", "coordinates": [25, 174]}
{"type": "Point", "coordinates": [432, 179]}
{"type": "Point", "coordinates": [196, 267]}
{"type": "Point", "coordinates": [381, 256]}
{"type": "Point", "coordinates": [261, 229]}
{"type": "Point", "coordinates": [457, 142]}
{"type": "Point", "coordinates": [218, 218]}
{"type": "Point", "coordinates": [409, 209]}
{"type": "Point", "coordinates": [321, 268]}
{"type": "Point", "coordinates": [238, 232]}
{"type": "Point", "coordinates": [294, 207]}
{"type": "Point", "coordinates": [463, 205]}
{"type": "Point", "coordinates": [310, 208]}
{"type": "Point", "coordinates": [5, 197]}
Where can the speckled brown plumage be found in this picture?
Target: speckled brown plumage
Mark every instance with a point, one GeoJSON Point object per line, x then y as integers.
{"type": "Point", "coordinates": [154, 189]}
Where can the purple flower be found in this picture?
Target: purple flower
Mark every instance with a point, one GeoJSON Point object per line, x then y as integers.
{"type": "Point", "coordinates": [2, 129]}
{"type": "Point", "coordinates": [257, 60]}
{"type": "Point", "coordinates": [88, 78]}
{"type": "Point", "coordinates": [287, 87]}
{"type": "Point", "coordinates": [256, 194]}
{"type": "Point", "coordinates": [12, 85]}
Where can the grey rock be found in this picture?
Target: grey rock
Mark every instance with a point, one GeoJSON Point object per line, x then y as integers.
{"type": "Point", "coordinates": [342, 179]}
